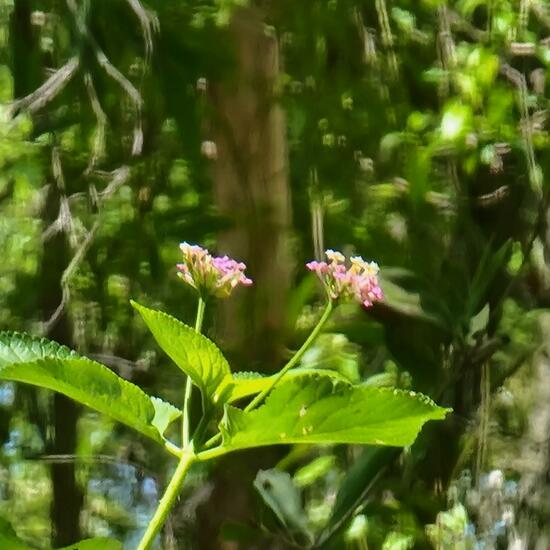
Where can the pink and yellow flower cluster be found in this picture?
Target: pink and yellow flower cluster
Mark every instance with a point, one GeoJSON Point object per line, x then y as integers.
{"type": "Point", "coordinates": [357, 280]}
{"type": "Point", "coordinates": [220, 275]}
{"type": "Point", "coordinates": [211, 275]}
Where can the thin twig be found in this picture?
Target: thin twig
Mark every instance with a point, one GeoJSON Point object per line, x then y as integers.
{"type": "Point", "coordinates": [99, 141]}
{"type": "Point", "coordinates": [518, 79]}
{"type": "Point", "coordinates": [65, 278]}
{"type": "Point", "coordinates": [149, 24]}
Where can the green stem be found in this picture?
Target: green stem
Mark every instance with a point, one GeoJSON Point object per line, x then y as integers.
{"type": "Point", "coordinates": [186, 456]}
{"type": "Point", "coordinates": [188, 384]}
{"type": "Point", "coordinates": [200, 314]}
{"type": "Point", "coordinates": [293, 361]}
{"type": "Point", "coordinates": [167, 501]}
{"type": "Point", "coordinates": [295, 358]}
{"type": "Point", "coordinates": [173, 449]}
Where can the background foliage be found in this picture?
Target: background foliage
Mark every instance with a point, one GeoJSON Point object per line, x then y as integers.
{"type": "Point", "coordinates": [413, 133]}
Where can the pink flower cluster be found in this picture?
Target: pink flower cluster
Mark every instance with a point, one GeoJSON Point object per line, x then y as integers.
{"type": "Point", "coordinates": [358, 282]}
{"type": "Point", "coordinates": [211, 275]}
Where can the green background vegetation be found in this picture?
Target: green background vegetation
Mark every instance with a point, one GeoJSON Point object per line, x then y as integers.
{"type": "Point", "coordinates": [411, 132]}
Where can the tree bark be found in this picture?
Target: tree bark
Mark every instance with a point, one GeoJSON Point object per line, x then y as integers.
{"type": "Point", "coordinates": [250, 173]}
{"type": "Point", "coordinates": [251, 188]}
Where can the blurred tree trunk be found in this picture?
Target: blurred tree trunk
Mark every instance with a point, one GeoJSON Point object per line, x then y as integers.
{"type": "Point", "coordinates": [252, 192]}
{"type": "Point", "coordinates": [67, 497]}
{"type": "Point", "coordinates": [251, 188]}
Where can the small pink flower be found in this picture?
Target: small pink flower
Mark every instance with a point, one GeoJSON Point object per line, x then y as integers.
{"type": "Point", "coordinates": [211, 275]}
{"type": "Point", "coordinates": [358, 282]}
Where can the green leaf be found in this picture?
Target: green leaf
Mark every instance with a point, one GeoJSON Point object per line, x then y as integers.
{"type": "Point", "coordinates": [47, 364]}
{"type": "Point", "coordinates": [407, 303]}
{"type": "Point", "coordinates": [95, 544]}
{"type": "Point", "coordinates": [193, 353]}
{"type": "Point", "coordinates": [284, 499]}
{"type": "Point", "coordinates": [357, 482]}
{"type": "Point", "coordinates": [165, 414]}
{"type": "Point", "coordinates": [246, 384]}
{"type": "Point", "coordinates": [315, 410]}
{"type": "Point", "coordinates": [310, 473]}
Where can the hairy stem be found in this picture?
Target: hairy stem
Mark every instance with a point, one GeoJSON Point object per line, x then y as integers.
{"type": "Point", "coordinates": [167, 501]}
{"type": "Point", "coordinates": [188, 384]}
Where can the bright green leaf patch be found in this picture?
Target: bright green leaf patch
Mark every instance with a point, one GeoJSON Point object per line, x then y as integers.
{"type": "Point", "coordinates": [315, 410]}
{"type": "Point", "coordinates": [49, 365]}
{"type": "Point", "coordinates": [17, 347]}
{"type": "Point", "coordinates": [165, 414]}
{"type": "Point", "coordinates": [193, 353]}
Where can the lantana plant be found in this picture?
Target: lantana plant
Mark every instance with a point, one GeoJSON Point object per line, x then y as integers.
{"type": "Point", "coordinates": [295, 405]}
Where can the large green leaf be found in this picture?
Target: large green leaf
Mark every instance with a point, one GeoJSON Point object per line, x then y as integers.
{"type": "Point", "coordinates": [193, 353]}
{"type": "Point", "coordinates": [49, 365]}
{"type": "Point", "coordinates": [316, 410]}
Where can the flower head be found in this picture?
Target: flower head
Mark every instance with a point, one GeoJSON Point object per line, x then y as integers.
{"type": "Point", "coordinates": [358, 282]}
{"type": "Point", "coordinates": [211, 275]}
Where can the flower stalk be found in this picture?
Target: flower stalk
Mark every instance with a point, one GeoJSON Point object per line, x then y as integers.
{"type": "Point", "coordinates": [295, 358]}
{"type": "Point", "coordinates": [291, 363]}
{"type": "Point", "coordinates": [189, 384]}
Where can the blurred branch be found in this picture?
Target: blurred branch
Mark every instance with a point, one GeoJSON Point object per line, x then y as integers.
{"type": "Point", "coordinates": [103, 61]}
{"type": "Point", "coordinates": [462, 24]}
{"type": "Point", "coordinates": [519, 81]}
{"type": "Point", "coordinates": [97, 458]}
{"type": "Point", "coordinates": [48, 91]}
{"type": "Point", "coordinates": [118, 178]}
{"type": "Point", "coordinates": [101, 117]}
{"type": "Point", "coordinates": [67, 274]}
{"type": "Point", "coordinates": [149, 23]}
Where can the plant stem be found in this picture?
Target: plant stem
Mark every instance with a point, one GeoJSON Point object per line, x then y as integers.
{"type": "Point", "coordinates": [201, 305]}
{"type": "Point", "coordinates": [188, 384]}
{"type": "Point", "coordinates": [173, 449]}
{"type": "Point", "coordinates": [167, 501]}
{"type": "Point", "coordinates": [293, 361]}
{"type": "Point", "coordinates": [295, 358]}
